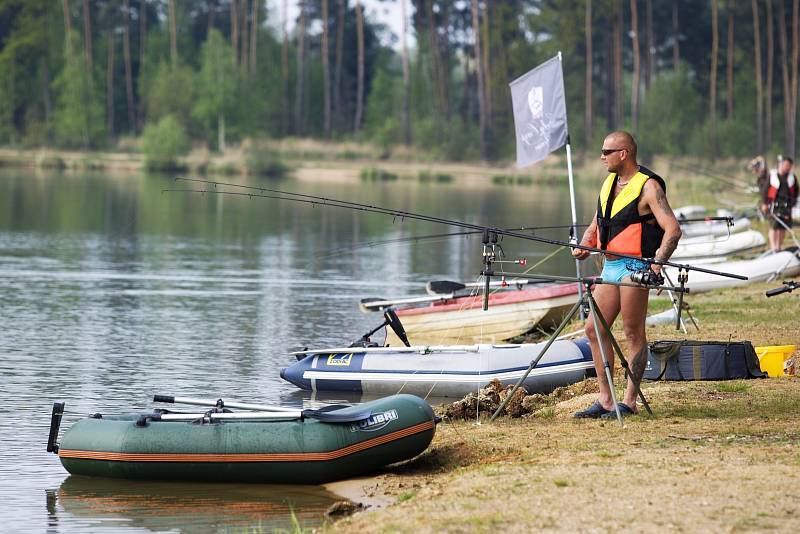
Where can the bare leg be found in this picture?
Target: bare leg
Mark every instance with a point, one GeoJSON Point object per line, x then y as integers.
{"type": "Point", "coordinates": [776, 239]}
{"type": "Point", "coordinates": [633, 302]}
{"type": "Point", "coordinates": [607, 298]}
{"type": "Point", "coordinates": [779, 235]}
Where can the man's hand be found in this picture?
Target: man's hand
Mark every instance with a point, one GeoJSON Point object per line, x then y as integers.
{"type": "Point", "coordinates": [589, 240]}
{"type": "Point", "coordinates": [764, 208]}
{"type": "Point", "coordinates": [580, 253]}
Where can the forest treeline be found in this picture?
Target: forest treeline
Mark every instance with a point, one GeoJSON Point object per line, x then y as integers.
{"type": "Point", "coordinates": [697, 77]}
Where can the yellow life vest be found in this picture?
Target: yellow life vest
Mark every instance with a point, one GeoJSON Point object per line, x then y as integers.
{"type": "Point", "coordinates": [620, 228]}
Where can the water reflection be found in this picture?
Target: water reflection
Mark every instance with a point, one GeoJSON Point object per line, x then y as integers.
{"type": "Point", "coordinates": [190, 508]}
{"type": "Point", "coordinates": [112, 291]}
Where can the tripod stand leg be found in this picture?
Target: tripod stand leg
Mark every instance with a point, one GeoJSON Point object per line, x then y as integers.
{"type": "Point", "coordinates": [596, 314]}
{"type": "Point", "coordinates": [624, 363]}
{"type": "Point", "coordinates": [578, 305]}
{"type": "Point", "coordinates": [675, 305]}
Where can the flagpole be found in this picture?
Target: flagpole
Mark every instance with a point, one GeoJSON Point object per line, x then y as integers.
{"type": "Point", "coordinates": [573, 238]}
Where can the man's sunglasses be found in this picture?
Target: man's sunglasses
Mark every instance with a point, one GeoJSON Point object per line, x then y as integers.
{"type": "Point", "coordinates": [609, 151]}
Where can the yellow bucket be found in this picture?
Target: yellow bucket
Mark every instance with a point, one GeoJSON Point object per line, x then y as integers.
{"type": "Point", "coordinates": [772, 358]}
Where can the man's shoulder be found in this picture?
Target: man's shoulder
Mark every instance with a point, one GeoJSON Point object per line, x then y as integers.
{"type": "Point", "coordinates": [654, 181]}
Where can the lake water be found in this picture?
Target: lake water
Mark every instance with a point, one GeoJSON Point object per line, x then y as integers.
{"type": "Point", "coordinates": [113, 290]}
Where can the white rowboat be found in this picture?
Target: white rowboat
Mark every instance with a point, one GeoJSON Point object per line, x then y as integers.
{"type": "Point", "coordinates": [767, 267]}
{"type": "Point", "coordinates": [462, 320]}
{"type": "Point", "coordinates": [710, 245]}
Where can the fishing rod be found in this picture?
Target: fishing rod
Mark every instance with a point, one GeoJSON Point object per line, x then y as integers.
{"type": "Point", "coordinates": [787, 287]}
{"type": "Point", "coordinates": [429, 237]}
{"type": "Point", "coordinates": [727, 218]}
{"type": "Point", "coordinates": [493, 233]}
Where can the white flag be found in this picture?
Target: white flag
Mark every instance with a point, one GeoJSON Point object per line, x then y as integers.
{"type": "Point", "coordinates": [540, 112]}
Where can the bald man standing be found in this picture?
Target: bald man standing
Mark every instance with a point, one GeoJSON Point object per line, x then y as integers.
{"type": "Point", "coordinates": [633, 218]}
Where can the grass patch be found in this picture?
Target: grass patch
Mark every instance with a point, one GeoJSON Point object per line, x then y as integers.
{"type": "Point", "coordinates": [261, 160]}
{"type": "Point", "coordinates": [731, 387]}
{"type": "Point", "coordinates": [375, 174]}
{"type": "Point", "coordinates": [406, 496]}
{"type": "Point", "coordinates": [439, 177]}
{"type": "Point", "coordinates": [165, 166]}
{"type": "Point", "coordinates": [545, 413]}
{"type": "Point", "coordinates": [53, 162]}
{"type": "Point", "coordinates": [502, 179]}
{"type": "Point", "coordinates": [608, 454]}
{"type": "Point", "coordinates": [90, 164]}
{"type": "Point", "coordinates": [226, 169]}
{"type": "Point", "coordinates": [351, 155]}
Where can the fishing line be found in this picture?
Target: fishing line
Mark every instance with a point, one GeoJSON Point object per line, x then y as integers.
{"type": "Point", "coordinates": [368, 208]}
{"type": "Point", "coordinates": [733, 182]}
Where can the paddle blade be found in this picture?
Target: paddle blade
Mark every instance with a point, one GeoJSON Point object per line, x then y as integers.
{"type": "Point", "coordinates": [366, 305]}
{"type": "Point", "coordinates": [437, 287]}
{"type": "Point", "coordinates": [394, 323]}
{"type": "Point", "coordinates": [336, 417]}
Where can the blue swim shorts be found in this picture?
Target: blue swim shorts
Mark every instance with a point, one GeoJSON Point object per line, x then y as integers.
{"type": "Point", "coordinates": [616, 270]}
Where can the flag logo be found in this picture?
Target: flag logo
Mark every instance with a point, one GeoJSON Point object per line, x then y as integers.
{"type": "Point", "coordinates": [540, 112]}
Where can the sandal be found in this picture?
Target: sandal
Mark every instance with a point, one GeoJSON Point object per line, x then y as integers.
{"type": "Point", "coordinates": [595, 411]}
{"type": "Point", "coordinates": [624, 410]}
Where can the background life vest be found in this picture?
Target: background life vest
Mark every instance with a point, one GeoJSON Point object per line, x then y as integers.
{"type": "Point", "coordinates": [620, 228]}
{"type": "Point", "coordinates": [774, 188]}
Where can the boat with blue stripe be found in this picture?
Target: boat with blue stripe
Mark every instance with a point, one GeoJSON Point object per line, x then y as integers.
{"type": "Point", "coordinates": [440, 371]}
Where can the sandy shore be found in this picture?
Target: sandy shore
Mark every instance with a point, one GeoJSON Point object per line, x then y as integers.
{"type": "Point", "coordinates": [714, 457]}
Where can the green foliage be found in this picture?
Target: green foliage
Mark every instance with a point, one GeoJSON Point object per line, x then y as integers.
{"type": "Point", "coordinates": [79, 114]}
{"type": "Point", "coordinates": [44, 98]}
{"type": "Point", "coordinates": [670, 114]}
{"type": "Point", "coordinates": [7, 130]}
{"type": "Point", "coordinates": [382, 121]}
{"type": "Point", "coordinates": [171, 93]}
{"type": "Point", "coordinates": [261, 161]}
{"type": "Point", "coordinates": [453, 140]}
{"type": "Point", "coordinates": [216, 85]}
{"type": "Point", "coordinates": [163, 143]}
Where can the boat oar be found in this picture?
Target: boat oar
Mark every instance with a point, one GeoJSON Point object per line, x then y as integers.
{"type": "Point", "coordinates": [328, 414]}
{"type": "Point", "coordinates": [437, 287]}
{"type": "Point", "coordinates": [322, 415]}
{"type": "Point", "coordinates": [219, 403]}
{"type": "Point", "coordinates": [371, 304]}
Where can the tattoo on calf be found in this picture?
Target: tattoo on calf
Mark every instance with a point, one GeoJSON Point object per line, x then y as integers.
{"type": "Point", "coordinates": [638, 364]}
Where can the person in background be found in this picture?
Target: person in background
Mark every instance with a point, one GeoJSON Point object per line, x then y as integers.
{"type": "Point", "coordinates": [758, 166]}
{"type": "Point", "coordinates": [777, 201]}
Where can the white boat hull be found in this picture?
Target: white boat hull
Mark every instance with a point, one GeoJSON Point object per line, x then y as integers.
{"type": "Point", "coordinates": [764, 268]}
{"type": "Point", "coordinates": [439, 371]}
{"type": "Point", "coordinates": [710, 246]}
{"type": "Point", "coordinates": [718, 228]}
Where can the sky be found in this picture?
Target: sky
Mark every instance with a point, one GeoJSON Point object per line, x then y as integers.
{"type": "Point", "coordinates": [388, 13]}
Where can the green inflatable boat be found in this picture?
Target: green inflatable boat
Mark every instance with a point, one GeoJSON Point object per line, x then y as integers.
{"type": "Point", "coordinates": [254, 444]}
